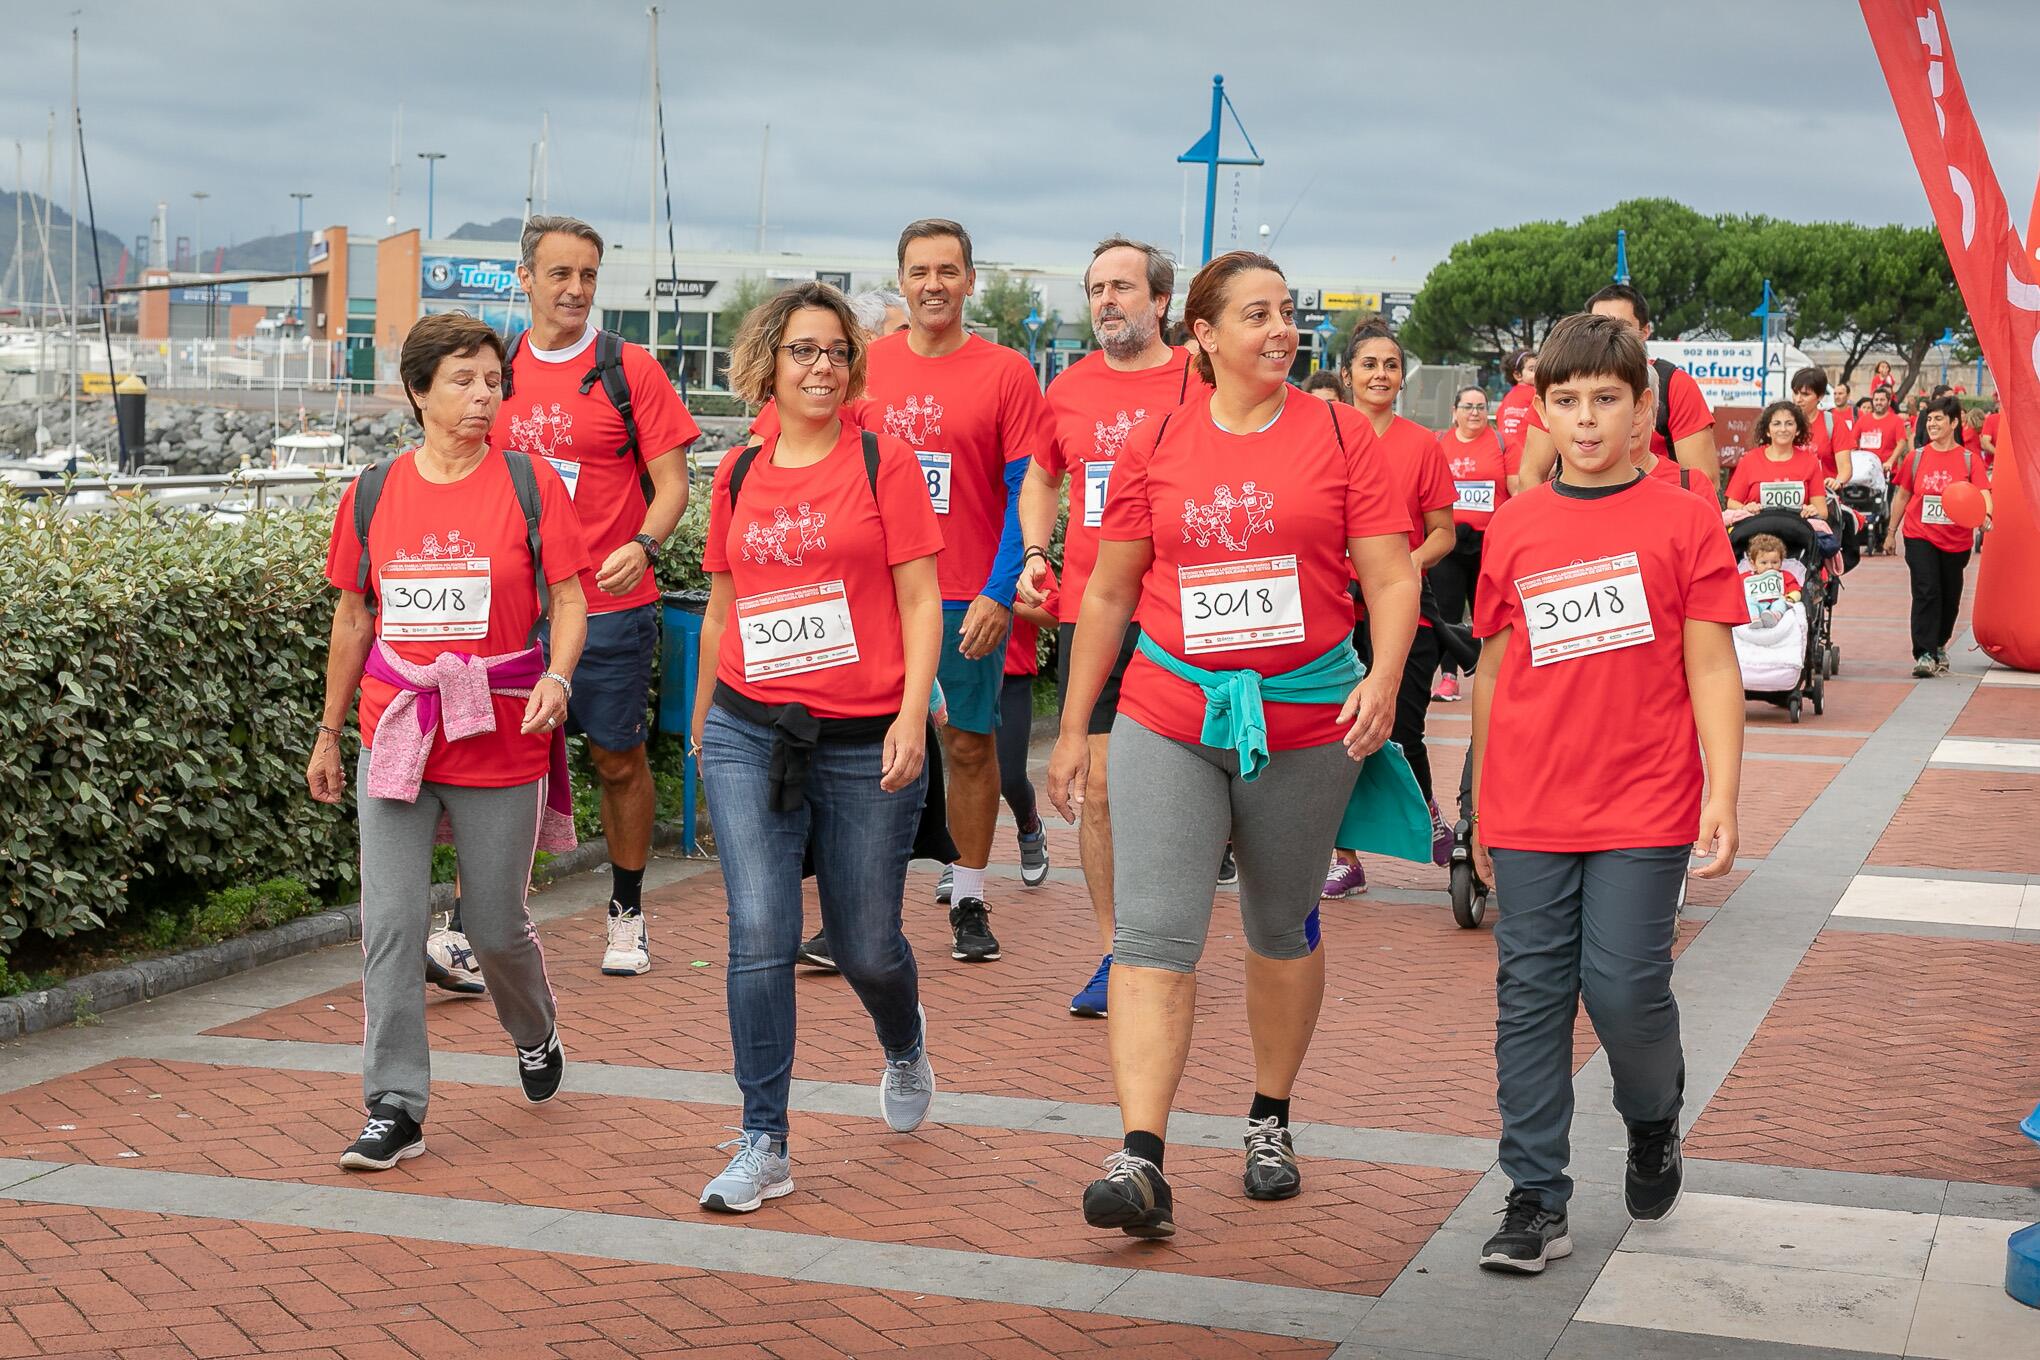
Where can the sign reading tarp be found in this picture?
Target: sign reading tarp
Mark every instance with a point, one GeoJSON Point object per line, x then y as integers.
{"type": "Point", "coordinates": [467, 278]}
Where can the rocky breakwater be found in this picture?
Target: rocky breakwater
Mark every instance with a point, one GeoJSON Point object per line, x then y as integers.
{"type": "Point", "coordinates": [192, 438]}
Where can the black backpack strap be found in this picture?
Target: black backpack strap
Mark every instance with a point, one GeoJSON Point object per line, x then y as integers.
{"type": "Point", "coordinates": [1162, 428]}
{"type": "Point", "coordinates": [1332, 409]}
{"type": "Point", "coordinates": [1189, 362]}
{"type": "Point", "coordinates": [525, 482]}
{"type": "Point", "coordinates": [510, 361]}
{"type": "Point", "coordinates": [1665, 369]}
{"type": "Point", "coordinates": [608, 371]}
{"type": "Point", "coordinates": [367, 491]}
{"type": "Point", "coordinates": [1685, 479]}
{"type": "Point", "coordinates": [870, 442]}
{"type": "Point", "coordinates": [741, 469]}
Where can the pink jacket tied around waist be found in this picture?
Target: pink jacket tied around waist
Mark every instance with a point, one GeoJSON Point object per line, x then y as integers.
{"type": "Point", "coordinates": [451, 694]}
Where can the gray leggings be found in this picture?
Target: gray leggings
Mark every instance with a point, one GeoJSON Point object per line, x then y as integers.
{"type": "Point", "coordinates": [495, 832]}
{"type": "Point", "coordinates": [1175, 804]}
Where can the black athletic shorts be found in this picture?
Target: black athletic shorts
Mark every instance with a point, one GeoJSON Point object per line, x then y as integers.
{"type": "Point", "coordinates": [1108, 698]}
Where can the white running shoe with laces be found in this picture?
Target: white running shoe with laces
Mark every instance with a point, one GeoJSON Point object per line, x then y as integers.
{"type": "Point", "coordinates": [629, 953]}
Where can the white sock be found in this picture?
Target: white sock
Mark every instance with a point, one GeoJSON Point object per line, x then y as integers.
{"type": "Point", "coordinates": [966, 883]}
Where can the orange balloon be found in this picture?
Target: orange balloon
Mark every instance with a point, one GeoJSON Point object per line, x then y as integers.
{"type": "Point", "coordinates": [1963, 503]}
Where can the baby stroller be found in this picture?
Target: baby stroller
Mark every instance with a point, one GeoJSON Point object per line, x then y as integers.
{"type": "Point", "coordinates": [1869, 497]}
{"type": "Point", "coordinates": [1788, 663]}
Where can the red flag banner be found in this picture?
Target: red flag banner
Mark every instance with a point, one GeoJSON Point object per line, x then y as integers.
{"type": "Point", "coordinates": [1991, 265]}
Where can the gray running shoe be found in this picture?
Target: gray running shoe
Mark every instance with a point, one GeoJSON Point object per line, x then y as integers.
{"type": "Point", "coordinates": [945, 886]}
{"type": "Point", "coordinates": [754, 1175]}
{"type": "Point", "coordinates": [1271, 1161]}
{"type": "Point", "coordinates": [907, 1088]}
{"type": "Point", "coordinates": [1034, 857]}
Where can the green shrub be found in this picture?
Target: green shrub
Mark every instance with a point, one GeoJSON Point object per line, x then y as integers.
{"type": "Point", "coordinates": [234, 911]}
{"type": "Point", "coordinates": [159, 678]}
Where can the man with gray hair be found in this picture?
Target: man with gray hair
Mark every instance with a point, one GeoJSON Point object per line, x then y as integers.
{"type": "Point", "coordinates": [880, 311]}
{"type": "Point", "coordinates": [1096, 403]}
{"type": "Point", "coordinates": [603, 412]}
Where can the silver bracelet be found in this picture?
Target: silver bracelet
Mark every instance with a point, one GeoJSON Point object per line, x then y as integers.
{"type": "Point", "coordinates": [566, 685]}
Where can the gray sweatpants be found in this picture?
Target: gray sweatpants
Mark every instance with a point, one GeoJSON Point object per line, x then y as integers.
{"type": "Point", "coordinates": [495, 832]}
{"type": "Point", "coordinates": [1598, 926]}
{"type": "Point", "coordinates": [1175, 805]}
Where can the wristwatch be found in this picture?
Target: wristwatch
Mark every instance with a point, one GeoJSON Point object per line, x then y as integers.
{"type": "Point", "coordinates": [650, 545]}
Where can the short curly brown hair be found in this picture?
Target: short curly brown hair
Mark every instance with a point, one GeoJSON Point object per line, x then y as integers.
{"type": "Point", "coordinates": [754, 354]}
{"type": "Point", "coordinates": [439, 336]}
{"type": "Point", "coordinates": [1763, 431]}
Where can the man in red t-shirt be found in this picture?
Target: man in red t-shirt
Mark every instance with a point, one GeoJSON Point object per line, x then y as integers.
{"type": "Point", "coordinates": [1842, 416]}
{"type": "Point", "coordinates": [1990, 436]}
{"type": "Point", "coordinates": [556, 408]}
{"type": "Point", "coordinates": [1684, 429]}
{"type": "Point", "coordinates": [1882, 434]}
{"type": "Point", "coordinates": [1133, 377]}
{"type": "Point", "coordinates": [974, 414]}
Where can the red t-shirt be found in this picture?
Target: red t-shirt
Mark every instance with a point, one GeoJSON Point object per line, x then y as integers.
{"type": "Point", "coordinates": [452, 572]}
{"type": "Point", "coordinates": [1818, 442]}
{"type": "Point", "coordinates": [1882, 435]}
{"type": "Point", "coordinates": [810, 553]}
{"type": "Point", "coordinates": [1756, 469]}
{"type": "Point", "coordinates": [1990, 428]}
{"type": "Point", "coordinates": [1250, 530]}
{"type": "Point", "coordinates": [1480, 476]}
{"type": "Point", "coordinates": [966, 415]}
{"type": "Point", "coordinates": [1666, 470]}
{"type": "Point", "coordinates": [549, 417]}
{"type": "Point", "coordinates": [1095, 407]}
{"type": "Point", "coordinates": [1936, 470]}
{"type": "Point", "coordinates": [1972, 438]}
{"type": "Point", "coordinates": [1419, 479]}
{"type": "Point", "coordinates": [1514, 418]}
{"type": "Point", "coordinates": [1838, 423]}
{"type": "Point", "coordinates": [1595, 749]}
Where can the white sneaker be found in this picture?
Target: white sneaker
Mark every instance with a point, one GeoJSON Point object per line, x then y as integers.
{"type": "Point", "coordinates": [629, 953]}
{"type": "Point", "coordinates": [458, 969]}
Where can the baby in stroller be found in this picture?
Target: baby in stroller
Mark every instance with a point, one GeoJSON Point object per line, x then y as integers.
{"type": "Point", "coordinates": [1866, 491]}
{"type": "Point", "coordinates": [1783, 650]}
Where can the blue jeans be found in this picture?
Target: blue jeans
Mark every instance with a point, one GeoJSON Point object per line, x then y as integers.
{"type": "Point", "coordinates": [861, 837]}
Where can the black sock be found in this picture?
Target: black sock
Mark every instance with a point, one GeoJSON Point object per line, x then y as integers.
{"type": "Point", "coordinates": [1033, 826]}
{"type": "Point", "coordinates": [626, 886]}
{"type": "Point", "coordinates": [1264, 1106]}
{"type": "Point", "coordinates": [1146, 1145]}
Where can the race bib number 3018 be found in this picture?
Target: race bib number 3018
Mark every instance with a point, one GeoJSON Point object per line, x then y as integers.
{"type": "Point", "coordinates": [1588, 607]}
{"type": "Point", "coordinates": [434, 599]}
{"type": "Point", "coordinates": [796, 630]}
{"type": "Point", "coordinates": [936, 468]}
{"type": "Point", "coordinates": [1230, 606]}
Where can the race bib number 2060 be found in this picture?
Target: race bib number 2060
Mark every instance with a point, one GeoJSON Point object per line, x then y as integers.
{"type": "Point", "coordinates": [1584, 608]}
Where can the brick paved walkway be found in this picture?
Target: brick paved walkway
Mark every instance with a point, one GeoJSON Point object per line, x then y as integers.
{"type": "Point", "coordinates": [167, 1185]}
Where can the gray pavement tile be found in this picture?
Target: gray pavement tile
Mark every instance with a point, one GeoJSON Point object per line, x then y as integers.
{"type": "Point", "coordinates": [397, 1214]}
{"type": "Point", "coordinates": [1601, 1341]}
{"type": "Point", "coordinates": [1940, 930]}
{"type": "Point", "coordinates": [1966, 1199]}
{"type": "Point", "coordinates": [1854, 1189]}
{"type": "Point", "coordinates": [1365, 1350]}
{"type": "Point", "coordinates": [703, 1245]}
{"type": "Point", "coordinates": [969, 1275]}
{"type": "Point", "coordinates": [1269, 1309]}
{"type": "Point", "coordinates": [160, 1192]}
{"type": "Point", "coordinates": [18, 1171]}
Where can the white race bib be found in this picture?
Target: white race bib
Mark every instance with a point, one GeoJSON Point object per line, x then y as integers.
{"type": "Point", "coordinates": [1781, 495]}
{"type": "Point", "coordinates": [570, 473]}
{"type": "Point", "coordinates": [796, 630]}
{"type": "Point", "coordinates": [1872, 440]}
{"type": "Point", "coordinates": [1588, 607]}
{"type": "Point", "coordinates": [1763, 591]}
{"type": "Point", "coordinates": [1931, 511]}
{"type": "Point", "coordinates": [1478, 496]}
{"type": "Point", "coordinates": [1231, 606]}
{"type": "Point", "coordinates": [443, 598]}
{"type": "Point", "coordinates": [1097, 477]}
{"type": "Point", "coordinates": [935, 467]}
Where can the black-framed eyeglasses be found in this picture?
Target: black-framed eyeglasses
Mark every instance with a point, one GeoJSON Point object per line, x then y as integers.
{"type": "Point", "coordinates": [1471, 406]}
{"type": "Point", "coordinates": [805, 352]}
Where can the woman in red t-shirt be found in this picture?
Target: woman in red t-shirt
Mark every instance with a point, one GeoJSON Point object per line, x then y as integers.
{"type": "Point", "coordinates": [1480, 484]}
{"type": "Point", "coordinates": [1518, 408]}
{"type": "Point", "coordinates": [1229, 523]}
{"type": "Point", "coordinates": [1780, 475]}
{"type": "Point", "coordinates": [1936, 548]}
{"type": "Point", "coordinates": [460, 714]}
{"type": "Point", "coordinates": [823, 619]}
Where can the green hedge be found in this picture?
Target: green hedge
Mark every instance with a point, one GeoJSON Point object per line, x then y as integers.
{"type": "Point", "coordinates": [159, 679]}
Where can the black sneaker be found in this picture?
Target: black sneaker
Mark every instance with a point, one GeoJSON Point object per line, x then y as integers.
{"type": "Point", "coordinates": [1271, 1161]}
{"type": "Point", "coordinates": [541, 1068]}
{"type": "Point", "coordinates": [815, 953]}
{"type": "Point", "coordinates": [971, 920]}
{"type": "Point", "coordinates": [1656, 1174]}
{"type": "Point", "coordinates": [1530, 1236]}
{"type": "Point", "coordinates": [1228, 869]}
{"type": "Point", "coordinates": [1131, 1197]}
{"type": "Point", "coordinates": [387, 1138]}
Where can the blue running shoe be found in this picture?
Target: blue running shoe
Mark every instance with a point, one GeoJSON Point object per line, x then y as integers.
{"type": "Point", "coordinates": [1090, 1002]}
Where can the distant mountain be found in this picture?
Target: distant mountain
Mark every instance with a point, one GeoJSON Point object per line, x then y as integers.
{"type": "Point", "coordinates": [502, 229]}
{"type": "Point", "coordinates": [31, 284]}
{"type": "Point", "coordinates": [271, 254]}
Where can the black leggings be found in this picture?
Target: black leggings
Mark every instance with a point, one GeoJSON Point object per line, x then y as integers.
{"type": "Point", "coordinates": [1455, 580]}
{"type": "Point", "coordinates": [1016, 726]}
{"type": "Point", "coordinates": [1936, 593]}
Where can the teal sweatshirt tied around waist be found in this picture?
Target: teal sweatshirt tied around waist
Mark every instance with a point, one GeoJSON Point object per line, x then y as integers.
{"type": "Point", "coordinates": [1386, 814]}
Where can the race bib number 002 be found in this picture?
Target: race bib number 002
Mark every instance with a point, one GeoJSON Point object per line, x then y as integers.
{"type": "Point", "coordinates": [1232, 606]}
{"type": "Point", "coordinates": [796, 630]}
{"type": "Point", "coordinates": [936, 468]}
{"type": "Point", "coordinates": [434, 599]}
{"type": "Point", "coordinates": [1475, 496]}
{"type": "Point", "coordinates": [1931, 511]}
{"type": "Point", "coordinates": [1588, 607]}
{"type": "Point", "coordinates": [1097, 478]}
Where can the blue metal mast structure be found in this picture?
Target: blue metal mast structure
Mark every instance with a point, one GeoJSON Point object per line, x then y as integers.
{"type": "Point", "coordinates": [1206, 153]}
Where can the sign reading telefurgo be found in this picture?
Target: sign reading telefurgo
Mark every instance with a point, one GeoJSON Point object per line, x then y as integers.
{"type": "Point", "coordinates": [1732, 372]}
{"type": "Point", "coordinates": [462, 278]}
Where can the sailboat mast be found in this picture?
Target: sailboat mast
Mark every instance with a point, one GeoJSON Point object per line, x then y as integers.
{"type": "Point", "coordinates": [14, 262]}
{"type": "Point", "coordinates": [652, 205]}
{"type": "Point", "coordinates": [71, 352]}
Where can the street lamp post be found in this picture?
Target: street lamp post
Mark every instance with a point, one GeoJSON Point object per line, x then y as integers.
{"type": "Point", "coordinates": [1325, 331]}
{"type": "Point", "coordinates": [297, 306]}
{"type": "Point", "coordinates": [1033, 325]}
{"type": "Point", "coordinates": [199, 196]}
{"type": "Point", "coordinates": [432, 160]}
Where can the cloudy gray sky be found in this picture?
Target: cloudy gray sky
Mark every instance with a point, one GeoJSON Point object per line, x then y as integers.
{"type": "Point", "coordinates": [1391, 130]}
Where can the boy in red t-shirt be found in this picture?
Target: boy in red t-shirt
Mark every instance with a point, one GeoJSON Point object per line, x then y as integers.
{"type": "Point", "coordinates": [1607, 599]}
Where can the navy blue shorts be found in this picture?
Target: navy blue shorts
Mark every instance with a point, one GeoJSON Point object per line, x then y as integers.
{"type": "Point", "coordinates": [970, 688]}
{"type": "Point", "coordinates": [613, 682]}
